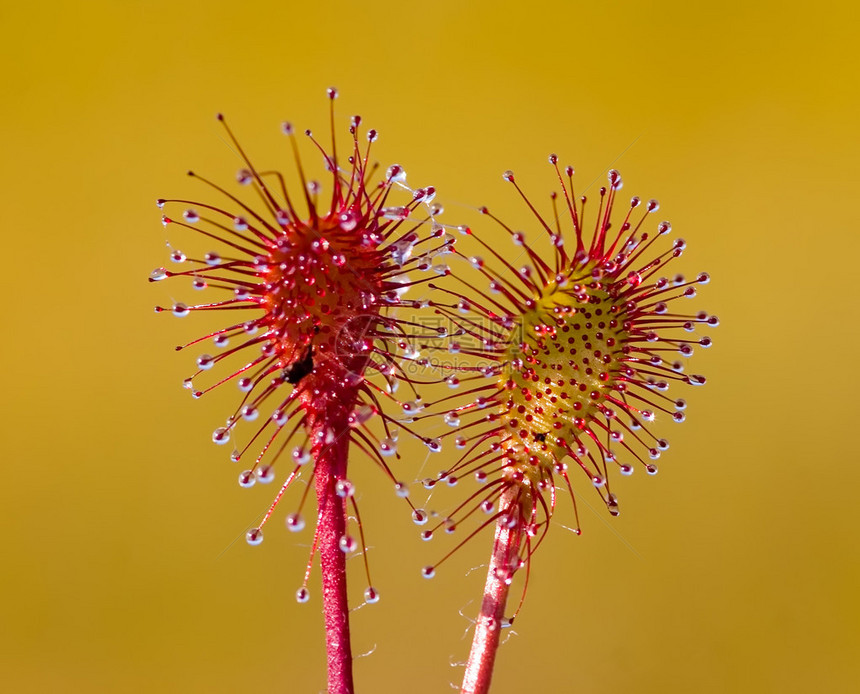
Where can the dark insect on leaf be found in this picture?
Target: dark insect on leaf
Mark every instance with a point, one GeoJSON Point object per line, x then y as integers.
{"type": "Point", "coordinates": [296, 371]}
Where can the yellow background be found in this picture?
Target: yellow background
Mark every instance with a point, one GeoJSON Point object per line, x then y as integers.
{"type": "Point", "coordinates": [735, 570]}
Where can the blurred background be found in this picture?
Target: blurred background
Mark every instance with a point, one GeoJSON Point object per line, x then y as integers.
{"type": "Point", "coordinates": [735, 569]}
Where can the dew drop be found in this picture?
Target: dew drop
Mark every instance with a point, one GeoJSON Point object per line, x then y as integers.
{"type": "Point", "coordinates": [411, 407]}
{"type": "Point", "coordinates": [388, 446]}
{"type": "Point", "coordinates": [265, 474]}
{"type": "Point", "coordinates": [344, 488]}
{"type": "Point", "coordinates": [320, 246]}
{"type": "Point", "coordinates": [301, 455]}
{"type": "Point", "coordinates": [396, 213]}
{"type": "Point", "coordinates": [395, 173]}
{"type": "Point", "coordinates": [428, 572]}
{"type": "Point", "coordinates": [435, 445]}
{"type": "Point", "coordinates": [419, 516]}
{"type": "Point", "coordinates": [612, 504]}
{"type": "Point", "coordinates": [371, 596]}
{"type": "Point", "coordinates": [347, 544]}
{"type": "Point", "coordinates": [254, 536]}
{"type": "Point", "coordinates": [158, 274]}
{"type": "Point", "coordinates": [221, 436]}
{"type": "Point", "coordinates": [180, 310]}
{"type": "Point", "coordinates": [360, 415]}
{"type": "Point", "coordinates": [401, 489]}
{"type": "Point", "coordinates": [205, 361]}
{"type": "Point", "coordinates": [302, 595]}
{"type": "Point", "coordinates": [411, 352]}
{"type": "Point", "coordinates": [348, 220]}
{"type": "Point", "coordinates": [247, 479]}
{"type": "Point", "coordinates": [295, 522]}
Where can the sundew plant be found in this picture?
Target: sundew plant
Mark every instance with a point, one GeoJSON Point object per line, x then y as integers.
{"type": "Point", "coordinates": [311, 284]}
{"type": "Point", "coordinates": [586, 347]}
{"type": "Point", "coordinates": [562, 362]}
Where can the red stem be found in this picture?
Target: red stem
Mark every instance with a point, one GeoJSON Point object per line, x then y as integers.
{"type": "Point", "coordinates": [503, 562]}
{"type": "Point", "coordinates": [329, 466]}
